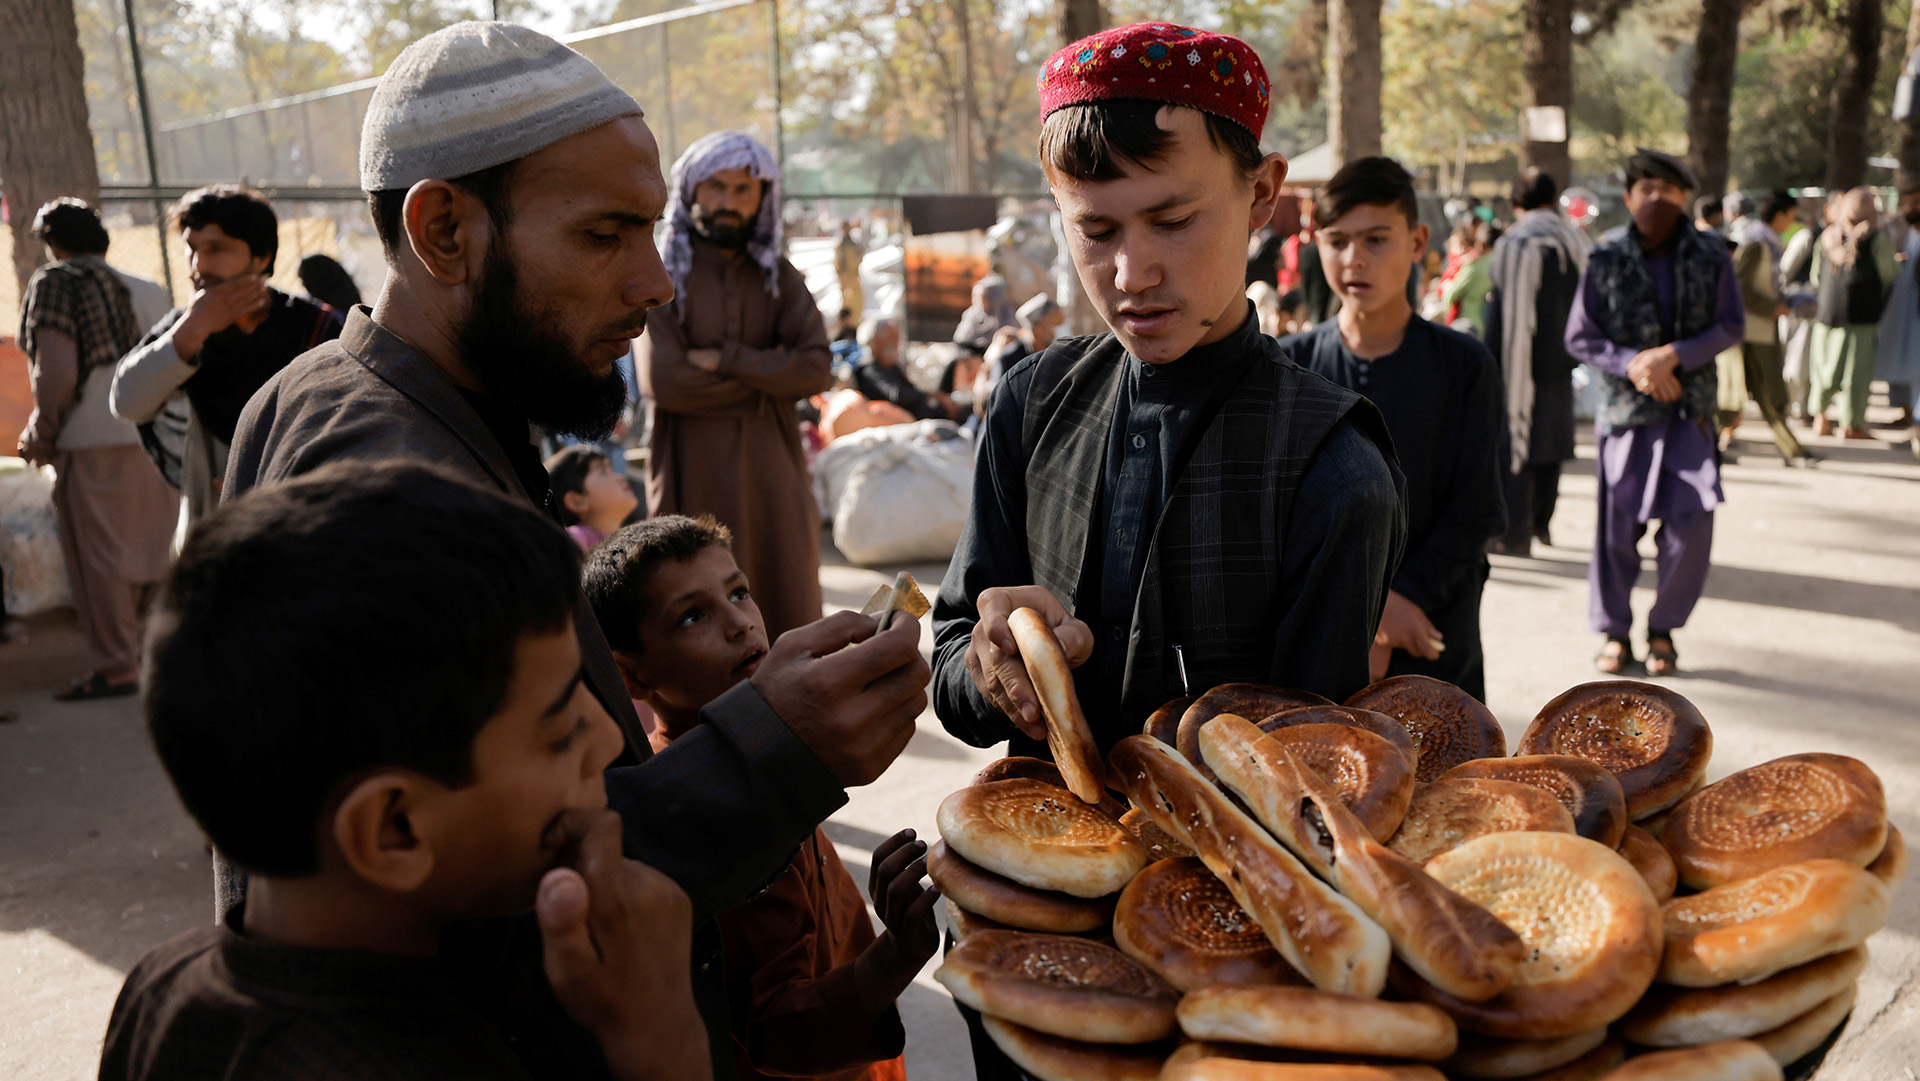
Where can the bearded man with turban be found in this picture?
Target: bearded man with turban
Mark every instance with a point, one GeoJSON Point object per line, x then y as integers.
{"type": "Point", "coordinates": [723, 366]}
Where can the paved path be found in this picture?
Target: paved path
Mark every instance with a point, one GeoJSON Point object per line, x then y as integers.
{"type": "Point", "coordinates": [1809, 639]}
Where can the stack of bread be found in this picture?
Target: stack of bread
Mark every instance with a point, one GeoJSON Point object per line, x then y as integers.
{"type": "Point", "coordinates": [1278, 887]}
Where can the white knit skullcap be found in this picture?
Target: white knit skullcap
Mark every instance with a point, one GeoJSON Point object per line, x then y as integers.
{"type": "Point", "coordinates": [476, 95]}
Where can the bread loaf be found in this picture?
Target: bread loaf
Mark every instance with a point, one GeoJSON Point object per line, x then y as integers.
{"type": "Point", "coordinates": [1801, 807]}
{"type": "Point", "coordinates": [1890, 866]}
{"type": "Point", "coordinates": [1055, 1058]}
{"type": "Point", "coordinates": [1592, 1066]}
{"type": "Point", "coordinates": [1005, 901]}
{"type": "Point", "coordinates": [1452, 811]}
{"type": "Point", "coordinates": [1800, 1036]}
{"type": "Point", "coordinates": [1202, 1062]}
{"type": "Point", "coordinates": [1039, 769]}
{"type": "Point", "coordinates": [1729, 1060]}
{"type": "Point", "coordinates": [1678, 1017]}
{"type": "Point", "coordinates": [1324, 936]}
{"type": "Point", "coordinates": [1588, 792]}
{"type": "Point", "coordinates": [1591, 926]}
{"type": "Point", "coordinates": [1654, 742]}
{"type": "Point", "coordinates": [1484, 1058]}
{"type": "Point", "coordinates": [1068, 738]}
{"type": "Point", "coordinates": [1241, 700]}
{"type": "Point", "coordinates": [1378, 723]}
{"type": "Point", "coordinates": [1060, 986]}
{"type": "Point", "coordinates": [1650, 858]}
{"type": "Point", "coordinates": [1454, 944]}
{"type": "Point", "coordinates": [1040, 836]}
{"type": "Point", "coordinates": [1448, 725]}
{"type": "Point", "coordinates": [1164, 723]}
{"type": "Point", "coordinates": [1368, 774]}
{"type": "Point", "coordinates": [1311, 1020]}
{"type": "Point", "coordinates": [1159, 844]}
{"type": "Point", "coordinates": [1177, 919]}
{"type": "Point", "coordinates": [1748, 930]}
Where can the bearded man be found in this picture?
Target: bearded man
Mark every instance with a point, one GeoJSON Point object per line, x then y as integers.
{"type": "Point", "coordinates": [515, 190]}
{"type": "Point", "coordinates": [723, 366]}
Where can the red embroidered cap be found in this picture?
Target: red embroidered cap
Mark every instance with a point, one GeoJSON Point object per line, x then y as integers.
{"type": "Point", "coordinates": [1162, 62]}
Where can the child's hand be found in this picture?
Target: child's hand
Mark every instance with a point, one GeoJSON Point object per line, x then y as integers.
{"type": "Point", "coordinates": [905, 906]}
{"type": "Point", "coordinates": [618, 944]}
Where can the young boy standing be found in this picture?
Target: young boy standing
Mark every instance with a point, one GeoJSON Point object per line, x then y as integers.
{"type": "Point", "coordinates": [455, 776]}
{"type": "Point", "coordinates": [1441, 396]}
{"type": "Point", "coordinates": [812, 989]}
{"type": "Point", "coordinates": [1185, 506]}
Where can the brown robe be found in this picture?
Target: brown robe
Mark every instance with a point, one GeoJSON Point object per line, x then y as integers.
{"type": "Point", "coordinates": [727, 442]}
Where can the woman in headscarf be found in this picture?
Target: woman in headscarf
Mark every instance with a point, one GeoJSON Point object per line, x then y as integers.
{"type": "Point", "coordinates": [1854, 271]}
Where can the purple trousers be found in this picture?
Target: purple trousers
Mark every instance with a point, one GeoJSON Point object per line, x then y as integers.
{"type": "Point", "coordinates": [1670, 474]}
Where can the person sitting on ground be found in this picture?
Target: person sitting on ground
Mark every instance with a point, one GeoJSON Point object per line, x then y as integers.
{"type": "Point", "coordinates": [455, 776]}
{"type": "Point", "coordinates": [1440, 394]}
{"type": "Point", "coordinates": [881, 377]}
{"type": "Point", "coordinates": [589, 498]}
{"type": "Point", "coordinates": [812, 989]}
{"type": "Point", "coordinates": [990, 311]}
{"type": "Point", "coordinates": [327, 282]}
{"type": "Point", "coordinates": [1040, 320]}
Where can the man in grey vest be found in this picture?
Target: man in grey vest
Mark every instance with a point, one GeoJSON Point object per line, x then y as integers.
{"type": "Point", "coordinates": [1183, 504]}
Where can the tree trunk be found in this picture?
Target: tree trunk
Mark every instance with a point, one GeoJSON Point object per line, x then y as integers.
{"type": "Point", "coordinates": [966, 170]}
{"type": "Point", "coordinates": [1076, 19]}
{"type": "Point", "coordinates": [1710, 96]}
{"type": "Point", "coordinates": [46, 150]}
{"type": "Point", "coordinates": [1908, 178]}
{"type": "Point", "coordinates": [1852, 98]}
{"type": "Point", "coordinates": [1353, 78]}
{"type": "Point", "coordinates": [1546, 50]}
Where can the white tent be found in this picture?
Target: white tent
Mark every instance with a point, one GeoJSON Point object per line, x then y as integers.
{"type": "Point", "coordinates": [1312, 168]}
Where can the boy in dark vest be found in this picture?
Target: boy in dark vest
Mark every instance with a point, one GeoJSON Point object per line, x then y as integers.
{"type": "Point", "coordinates": [1185, 506]}
{"type": "Point", "coordinates": [1440, 395]}
{"type": "Point", "coordinates": [1659, 301]}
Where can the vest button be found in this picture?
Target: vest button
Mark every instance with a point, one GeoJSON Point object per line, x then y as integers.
{"type": "Point", "coordinates": [1139, 441]}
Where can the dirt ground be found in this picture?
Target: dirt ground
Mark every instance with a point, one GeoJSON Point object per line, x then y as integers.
{"type": "Point", "coordinates": [1808, 639]}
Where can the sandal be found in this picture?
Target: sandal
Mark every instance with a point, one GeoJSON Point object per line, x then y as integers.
{"type": "Point", "coordinates": [1615, 655]}
{"type": "Point", "coordinates": [1662, 658]}
{"type": "Point", "coordinates": [95, 686]}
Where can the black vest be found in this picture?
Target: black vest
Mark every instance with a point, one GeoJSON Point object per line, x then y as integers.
{"type": "Point", "coordinates": [1629, 315]}
{"type": "Point", "coordinates": [1212, 572]}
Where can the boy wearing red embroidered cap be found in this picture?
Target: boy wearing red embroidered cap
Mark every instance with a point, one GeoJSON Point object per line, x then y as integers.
{"type": "Point", "coordinates": [1185, 506]}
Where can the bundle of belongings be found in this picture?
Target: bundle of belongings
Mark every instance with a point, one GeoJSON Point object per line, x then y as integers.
{"type": "Point", "coordinates": [896, 493]}
{"type": "Point", "coordinates": [1267, 886]}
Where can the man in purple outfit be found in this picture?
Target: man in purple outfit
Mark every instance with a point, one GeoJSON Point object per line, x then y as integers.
{"type": "Point", "coordinates": [1657, 303]}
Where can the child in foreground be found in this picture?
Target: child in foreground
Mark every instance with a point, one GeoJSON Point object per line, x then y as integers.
{"type": "Point", "coordinates": [590, 499]}
{"type": "Point", "coordinates": [812, 989]}
{"type": "Point", "coordinates": [365, 686]}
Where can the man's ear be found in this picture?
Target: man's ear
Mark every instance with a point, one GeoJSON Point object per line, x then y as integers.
{"type": "Point", "coordinates": [373, 828]}
{"type": "Point", "coordinates": [633, 674]}
{"type": "Point", "coordinates": [448, 230]}
{"type": "Point", "coordinates": [1267, 181]}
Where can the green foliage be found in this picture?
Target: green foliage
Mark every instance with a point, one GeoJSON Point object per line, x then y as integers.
{"type": "Point", "coordinates": [1451, 77]}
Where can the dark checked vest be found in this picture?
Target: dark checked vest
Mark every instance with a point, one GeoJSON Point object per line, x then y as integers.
{"type": "Point", "coordinates": [1628, 314]}
{"type": "Point", "coordinates": [1212, 571]}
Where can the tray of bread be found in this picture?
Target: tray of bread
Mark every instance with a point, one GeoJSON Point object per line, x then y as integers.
{"type": "Point", "coordinates": [1267, 886]}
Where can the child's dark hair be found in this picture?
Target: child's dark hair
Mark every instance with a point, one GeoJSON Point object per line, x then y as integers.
{"type": "Point", "coordinates": [1534, 189]}
{"type": "Point", "coordinates": [240, 212]}
{"type": "Point", "coordinates": [620, 569]}
{"type": "Point", "coordinates": [1375, 181]}
{"type": "Point", "coordinates": [1096, 140]}
{"type": "Point", "coordinates": [567, 472]}
{"type": "Point", "coordinates": [363, 616]}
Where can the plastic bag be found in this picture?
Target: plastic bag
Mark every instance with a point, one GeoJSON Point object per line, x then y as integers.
{"type": "Point", "coordinates": [35, 569]}
{"type": "Point", "coordinates": [898, 494]}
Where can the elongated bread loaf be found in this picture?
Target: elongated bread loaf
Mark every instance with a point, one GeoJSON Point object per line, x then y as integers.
{"type": "Point", "coordinates": [1215, 1062]}
{"type": "Point", "coordinates": [1068, 737]}
{"type": "Point", "coordinates": [1451, 942]}
{"type": "Point", "coordinates": [1242, 700]}
{"type": "Point", "coordinates": [1314, 1020]}
{"type": "Point", "coordinates": [1324, 936]}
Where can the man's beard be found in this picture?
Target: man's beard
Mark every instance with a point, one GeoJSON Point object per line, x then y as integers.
{"type": "Point", "coordinates": [518, 357]}
{"type": "Point", "coordinates": [729, 232]}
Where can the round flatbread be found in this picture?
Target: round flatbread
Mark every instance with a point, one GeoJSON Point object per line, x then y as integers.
{"type": "Point", "coordinates": [1054, 1058]}
{"type": "Point", "coordinates": [961, 923]}
{"type": "Point", "coordinates": [1652, 740]}
{"type": "Point", "coordinates": [1801, 807]}
{"type": "Point", "coordinates": [1164, 724]}
{"type": "Point", "coordinates": [1378, 723]}
{"type": "Point", "coordinates": [1484, 1058]}
{"type": "Point", "coordinates": [1177, 919]}
{"type": "Point", "coordinates": [1890, 866]}
{"type": "Point", "coordinates": [1448, 725]}
{"type": "Point", "coordinates": [1069, 739]}
{"type": "Point", "coordinates": [1448, 813]}
{"type": "Point", "coordinates": [1370, 776]}
{"type": "Point", "coordinates": [1312, 1020]}
{"type": "Point", "coordinates": [1248, 700]}
{"type": "Point", "coordinates": [1060, 986]}
{"type": "Point", "coordinates": [1591, 926]}
{"type": "Point", "coordinates": [1004, 901]}
{"type": "Point", "coordinates": [1587, 790]}
{"type": "Point", "coordinates": [1039, 836]}
{"type": "Point", "coordinates": [1748, 930]}
{"type": "Point", "coordinates": [1651, 860]}
{"type": "Point", "coordinates": [1039, 769]}
{"type": "Point", "coordinates": [1680, 1017]}
{"type": "Point", "coordinates": [1788, 1043]}
{"type": "Point", "coordinates": [1729, 1060]}
{"type": "Point", "coordinates": [1592, 1066]}
{"type": "Point", "coordinates": [1204, 1061]}
{"type": "Point", "coordinates": [1160, 844]}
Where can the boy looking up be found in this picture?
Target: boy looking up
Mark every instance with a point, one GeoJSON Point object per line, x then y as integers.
{"type": "Point", "coordinates": [1441, 396]}
{"type": "Point", "coordinates": [455, 776]}
{"type": "Point", "coordinates": [1183, 505]}
{"type": "Point", "coordinates": [812, 990]}
{"type": "Point", "coordinates": [589, 498]}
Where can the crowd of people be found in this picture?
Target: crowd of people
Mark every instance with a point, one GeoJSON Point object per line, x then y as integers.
{"type": "Point", "coordinates": [512, 768]}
